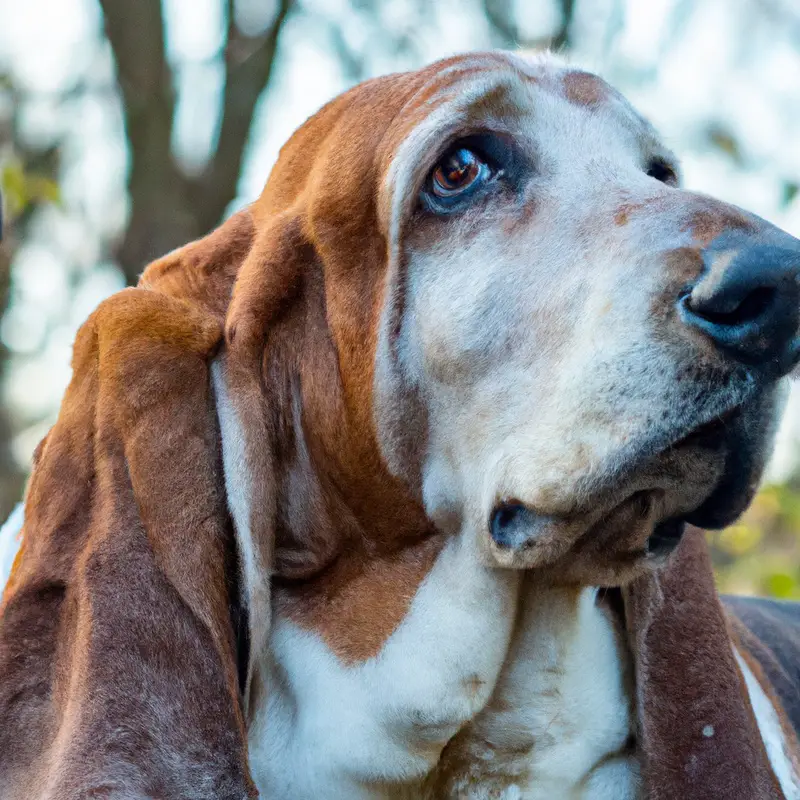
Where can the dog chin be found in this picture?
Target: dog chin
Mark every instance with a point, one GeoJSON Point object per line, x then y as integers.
{"type": "Point", "coordinates": [718, 467]}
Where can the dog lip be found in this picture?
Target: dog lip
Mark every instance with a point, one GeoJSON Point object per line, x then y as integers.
{"type": "Point", "coordinates": [709, 434]}
{"type": "Point", "coordinates": [665, 537]}
{"type": "Point", "coordinates": [538, 537]}
{"type": "Point", "coordinates": [510, 524]}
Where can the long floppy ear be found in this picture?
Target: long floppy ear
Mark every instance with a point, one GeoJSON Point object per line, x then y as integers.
{"type": "Point", "coordinates": [697, 730]}
{"type": "Point", "coordinates": [250, 405]}
{"type": "Point", "coordinates": [203, 272]}
{"type": "Point", "coordinates": [118, 673]}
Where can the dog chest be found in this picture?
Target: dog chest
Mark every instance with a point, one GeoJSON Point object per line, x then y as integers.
{"type": "Point", "coordinates": [487, 685]}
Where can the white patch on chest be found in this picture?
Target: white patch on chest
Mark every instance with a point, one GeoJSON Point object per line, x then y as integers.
{"type": "Point", "coordinates": [328, 730]}
{"type": "Point", "coordinates": [376, 730]}
{"type": "Point", "coordinates": [558, 724]}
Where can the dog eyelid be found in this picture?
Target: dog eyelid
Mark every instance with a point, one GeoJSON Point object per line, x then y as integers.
{"type": "Point", "coordinates": [483, 163]}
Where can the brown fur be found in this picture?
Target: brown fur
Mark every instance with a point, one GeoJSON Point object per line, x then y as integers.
{"type": "Point", "coordinates": [709, 223]}
{"type": "Point", "coordinates": [585, 89]}
{"type": "Point", "coordinates": [117, 617]}
{"type": "Point", "coordinates": [687, 679]}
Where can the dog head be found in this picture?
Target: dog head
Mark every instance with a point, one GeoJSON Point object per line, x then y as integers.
{"type": "Point", "coordinates": [482, 288]}
{"type": "Point", "coordinates": [596, 353]}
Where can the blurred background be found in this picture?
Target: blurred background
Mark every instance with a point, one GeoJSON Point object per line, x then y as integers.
{"type": "Point", "coordinates": [128, 128]}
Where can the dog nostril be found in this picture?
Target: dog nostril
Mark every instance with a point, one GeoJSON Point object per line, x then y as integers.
{"type": "Point", "coordinates": [747, 301]}
{"type": "Point", "coordinates": [750, 309]}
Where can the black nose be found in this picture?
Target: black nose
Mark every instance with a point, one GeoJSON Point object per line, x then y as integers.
{"type": "Point", "coordinates": [748, 299]}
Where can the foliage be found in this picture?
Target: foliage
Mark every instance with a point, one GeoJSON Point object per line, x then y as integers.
{"type": "Point", "coordinates": [23, 189]}
{"type": "Point", "coordinates": [760, 554]}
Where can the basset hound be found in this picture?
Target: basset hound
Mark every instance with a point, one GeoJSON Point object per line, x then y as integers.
{"type": "Point", "coordinates": [386, 488]}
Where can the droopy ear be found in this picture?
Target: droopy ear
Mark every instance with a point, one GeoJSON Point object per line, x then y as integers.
{"type": "Point", "coordinates": [246, 279]}
{"type": "Point", "coordinates": [250, 420]}
{"type": "Point", "coordinates": [697, 731]}
{"type": "Point", "coordinates": [203, 272]}
{"type": "Point", "coordinates": [117, 656]}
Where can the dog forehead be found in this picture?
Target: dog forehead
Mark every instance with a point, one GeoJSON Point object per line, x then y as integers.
{"type": "Point", "coordinates": [362, 130]}
{"type": "Point", "coordinates": [521, 91]}
{"type": "Point", "coordinates": [357, 164]}
{"type": "Point", "coordinates": [514, 89]}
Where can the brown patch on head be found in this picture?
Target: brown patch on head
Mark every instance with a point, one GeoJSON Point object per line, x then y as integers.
{"type": "Point", "coordinates": [623, 213]}
{"type": "Point", "coordinates": [712, 220]}
{"type": "Point", "coordinates": [497, 102]}
{"type": "Point", "coordinates": [585, 89]}
{"type": "Point", "coordinates": [682, 267]}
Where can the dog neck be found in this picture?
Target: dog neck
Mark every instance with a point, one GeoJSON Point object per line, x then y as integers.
{"type": "Point", "coordinates": [482, 691]}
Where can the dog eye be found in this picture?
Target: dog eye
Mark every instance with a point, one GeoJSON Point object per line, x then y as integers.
{"type": "Point", "coordinates": [662, 171]}
{"type": "Point", "coordinates": [460, 170]}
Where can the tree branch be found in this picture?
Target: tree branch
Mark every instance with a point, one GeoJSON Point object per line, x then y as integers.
{"type": "Point", "coordinates": [561, 40]}
{"type": "Point", "coordinates": [249, 62]}
{"type": "Point", "coordinates": [500, 14]}
{"type": "Point", "coordinates": [157, 188]}
{"type": "Point", "coordinates": [501, 18]}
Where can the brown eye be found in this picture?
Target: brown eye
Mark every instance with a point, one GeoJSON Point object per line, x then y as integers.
{"type": "Point", "coordinates": [456, 172]}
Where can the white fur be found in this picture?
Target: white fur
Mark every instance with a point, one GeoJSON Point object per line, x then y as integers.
{"type": "Point", "coordinates": [375, 730]}
{"type": "Point", "coordinates": [771, 732]}
{"type": "Point", "coordinates": [517, 332]}
{"type": "Point", "coordinates": [559, 720]}
{"type": "Point", "coordinates": [329, 730]}
{"type": "Point", "coordinates": [237, 481]}
{"type": "Point", "coordinates": [238, 489]}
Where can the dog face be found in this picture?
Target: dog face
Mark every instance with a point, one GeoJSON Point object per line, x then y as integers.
{"type": "Point", "coordinates": [597, 354]}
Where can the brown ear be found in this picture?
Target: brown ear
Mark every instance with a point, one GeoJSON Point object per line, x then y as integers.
{"type": "Point", "coordinates": [203, 272]}
{"type": "Point", "coordinates": [697, 731]}
{"type": "Point", "coordinates": [250, 280]}
{"type": "Point", "coordinates": [117, 656]}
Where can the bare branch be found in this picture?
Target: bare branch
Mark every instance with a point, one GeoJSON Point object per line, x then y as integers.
{"type": "Point", "coordinates": [249, 62]}
{"type": "Point", "coordinates": [352, 62]}
{"type": "Point", "coordinates": [156, 186]}
{"type": "Point", "coordinates": [501, 17]}
{"type": "Point", "coordinates": [500, 14]}
{"type": "Point", "coordinates": [561, 40]}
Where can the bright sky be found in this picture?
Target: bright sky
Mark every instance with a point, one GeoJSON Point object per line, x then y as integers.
{"type": "Point", "coordinates": [681, 63]}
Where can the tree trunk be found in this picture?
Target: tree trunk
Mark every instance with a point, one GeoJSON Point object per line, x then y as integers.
{"type": "Point", "coordinates": [168, 207]}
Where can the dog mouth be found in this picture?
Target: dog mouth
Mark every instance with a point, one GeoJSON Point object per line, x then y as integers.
{"type": "Point", "coordinates": [637, 525]}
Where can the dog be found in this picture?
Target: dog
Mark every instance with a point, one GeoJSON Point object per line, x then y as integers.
{"type": "Point", "coordinates": [393, 486]}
